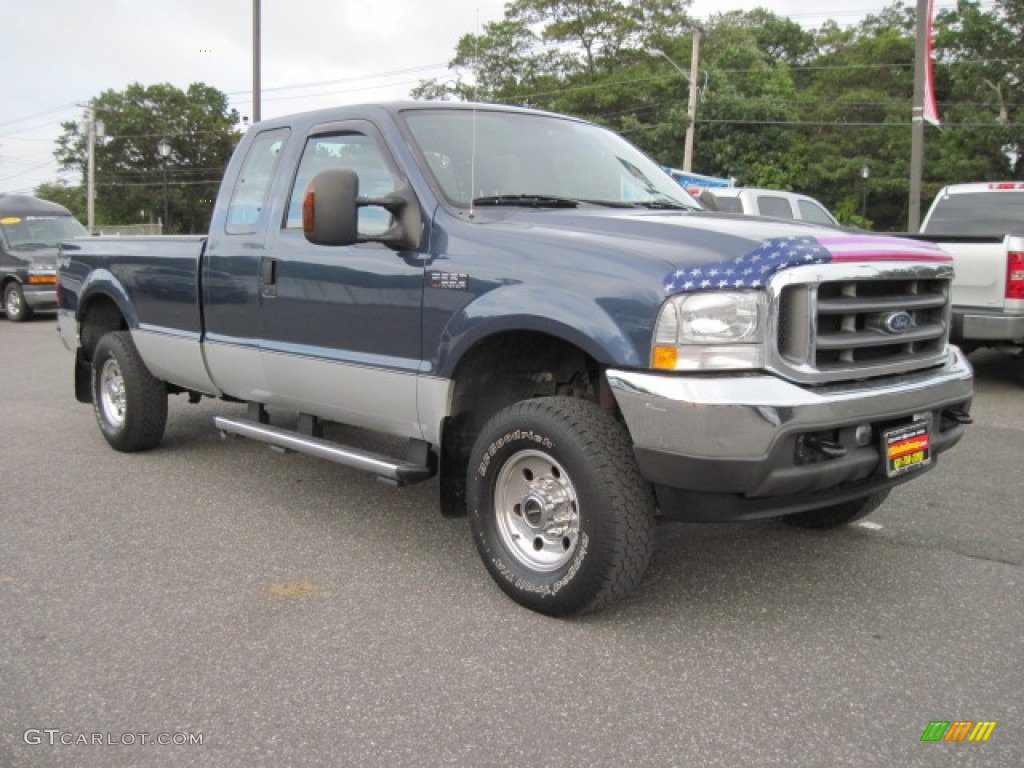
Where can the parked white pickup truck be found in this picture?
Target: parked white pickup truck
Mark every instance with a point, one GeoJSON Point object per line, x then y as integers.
{"type": "Point", "coordinates": [982, 227]}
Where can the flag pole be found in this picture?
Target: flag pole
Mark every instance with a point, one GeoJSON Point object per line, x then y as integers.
{"type": "Point", "coordinates": [922, 85]}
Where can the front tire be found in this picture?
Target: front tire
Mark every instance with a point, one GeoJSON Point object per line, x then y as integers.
{"type": "Point", "coordinates": [838, 515]}
{"type": "Point", "coordinates": [15, 306]}
{"type": "Point", "coordinates": [130, 404]}
{"type": "Point", "coordinates": [560, 514]}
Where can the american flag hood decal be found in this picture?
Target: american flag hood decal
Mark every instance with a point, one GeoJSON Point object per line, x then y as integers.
{"type": "Point", "coordinates": [753, 269]}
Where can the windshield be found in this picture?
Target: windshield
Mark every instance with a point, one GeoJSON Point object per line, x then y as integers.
{"type": "Point", "coordinates": [536, 157]}
{"type": "Point", "coordinates": [989, 214]}
{"type": "Point", "coordinates": [28, 231]}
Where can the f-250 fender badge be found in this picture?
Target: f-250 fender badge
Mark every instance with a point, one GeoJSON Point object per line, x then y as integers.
{"type": "Point", "coordinates": [449, 281]}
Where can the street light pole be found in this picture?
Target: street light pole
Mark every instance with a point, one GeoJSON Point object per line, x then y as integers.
{"type": "Point", "coordinates": [163, 148]}
{"type": "Point", "coordinates": [691, 100]}
{"type": "Point", "coordinates": [865, 174]}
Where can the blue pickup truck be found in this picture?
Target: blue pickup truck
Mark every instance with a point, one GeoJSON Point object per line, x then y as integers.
{"type": "Point", "coordinates": [544, 319]}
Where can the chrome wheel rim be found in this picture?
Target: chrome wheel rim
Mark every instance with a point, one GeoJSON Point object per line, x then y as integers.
{"type": "Point", "coordinates": [537, 511]}
{"type": "Point", "coordinates": [13, 302]}
{"type": "Point", "coordinates": [112, 395]}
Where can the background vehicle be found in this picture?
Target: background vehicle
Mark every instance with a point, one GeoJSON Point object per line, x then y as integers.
{"type": "Point", "coordinates": [549, 322]}
{"type": "Point", "coordinates": [30, 231]}
{"type": "Point", "coordinates": [773, 203]}
{"type": "Point", "coordinates": [982, 226]}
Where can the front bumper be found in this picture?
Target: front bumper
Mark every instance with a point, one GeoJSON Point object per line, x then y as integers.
{"type": "Point", "coordinates": [738, 446]}
{"type": "Point", "coordinates": [42, 297]}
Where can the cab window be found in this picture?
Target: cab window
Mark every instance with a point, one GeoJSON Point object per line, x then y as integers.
{"type": "Point", "coordinates": [810, 211]}
{"type": "Point", "coordinates": [350, 151]}
{"type": "Point", "coordinates": [249, 197]}
{"type": "Point", "coordinates": [774, 207]}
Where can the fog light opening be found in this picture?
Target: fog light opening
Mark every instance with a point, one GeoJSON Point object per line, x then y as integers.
{"type": "Point", "coordinates": [864, 435]}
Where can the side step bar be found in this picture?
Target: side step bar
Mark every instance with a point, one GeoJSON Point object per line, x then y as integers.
{"type": "Point", "coordinates": [386, 468]}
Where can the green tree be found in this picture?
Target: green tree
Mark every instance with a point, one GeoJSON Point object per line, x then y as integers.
{"type": "Point", "coordinates": [62, 193]}
{"type": "Point", "coordinates": [981, 89]}
{"type": "Point", "coordinates": [745, 119]}
{"type": "Point", "coordinates": [780, 106]}
{"type": "Point", "coordinates": [128, 170]}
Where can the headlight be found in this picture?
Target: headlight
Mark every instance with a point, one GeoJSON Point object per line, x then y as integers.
{"type": "Point", "coordinates": [714, 331]}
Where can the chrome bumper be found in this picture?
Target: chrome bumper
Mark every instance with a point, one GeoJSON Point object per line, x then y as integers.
{"type": "Point", "coordinates": [40, 298]}
{"type": "Point", "coordinates": [744, 434]}
{"type": "Point", "coordinates": [972, 325]}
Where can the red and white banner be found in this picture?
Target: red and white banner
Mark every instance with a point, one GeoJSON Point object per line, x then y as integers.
{"type": "Point", "coordinates": [931, 108]}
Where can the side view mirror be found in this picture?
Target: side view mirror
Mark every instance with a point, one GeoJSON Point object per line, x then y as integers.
{"type": "Point", "coordinates": [330, 212]}
{"type": "Point", "coordinates": [330, 215]}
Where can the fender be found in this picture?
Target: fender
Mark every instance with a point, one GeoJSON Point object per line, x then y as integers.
{"type": "Point", "coordinates": [101, 282]}
{"type": "Point", "coordinates": [545, 309]}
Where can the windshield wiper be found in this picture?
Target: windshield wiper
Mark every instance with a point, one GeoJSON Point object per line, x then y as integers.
{"type": "Point", "coordinates": [665, 205]}
{"type": "Point", "coordinates": [528, 201]}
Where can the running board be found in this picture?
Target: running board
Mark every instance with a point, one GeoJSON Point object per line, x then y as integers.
{"type": "Point", "coordinates": [386, 468]}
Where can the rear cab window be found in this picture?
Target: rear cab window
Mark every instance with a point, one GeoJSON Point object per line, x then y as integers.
{"type": "Point", "coordinates": [249, 197]}
{"type": "Point", "coordinates": [985, 213]}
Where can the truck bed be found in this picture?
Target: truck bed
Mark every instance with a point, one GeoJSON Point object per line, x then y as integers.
{"type": "Point", "coordinates": [159, 276]}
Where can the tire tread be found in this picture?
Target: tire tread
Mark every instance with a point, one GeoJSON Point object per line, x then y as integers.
{"type": "Point", "coordinates": [146, 414]}
{"type": "Point", "coordinates": [608, 452]}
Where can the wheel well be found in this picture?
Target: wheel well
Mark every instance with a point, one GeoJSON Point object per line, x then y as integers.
{"type": "Point", "coordinates": [502, 370]}
{"type": "Point", "coordinates": [101, 316]}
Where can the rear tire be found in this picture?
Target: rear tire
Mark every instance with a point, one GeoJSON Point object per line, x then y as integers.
{"type": "Point", "coordinates": [15, 306]}
{"type": "Point", "coordinates": [560, 514]}
{"type": "Point", "coordinates": [839, 514]}
{"type": "Point", "coordinates": [130, 404]}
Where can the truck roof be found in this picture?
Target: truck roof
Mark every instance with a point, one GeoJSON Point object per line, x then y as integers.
{"type": "Point", "coordinates": [983, 186]}
{"type": "Point", "coordinates": [26, 205]}
{"type": "Point", "coordinates": [394, 108]}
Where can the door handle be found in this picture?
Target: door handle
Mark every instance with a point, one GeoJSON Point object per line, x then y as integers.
{"type": "Point", "coordinates": [268, 278]}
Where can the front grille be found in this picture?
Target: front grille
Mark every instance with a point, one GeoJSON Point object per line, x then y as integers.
{"type": "Point", "coordinates": [841, 321]}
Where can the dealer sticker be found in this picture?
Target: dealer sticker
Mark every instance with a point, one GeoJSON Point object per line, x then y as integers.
{"type": "Point", "coordinates": [907, 448]}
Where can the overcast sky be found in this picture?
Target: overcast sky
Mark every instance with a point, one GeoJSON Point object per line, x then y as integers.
{"type": "Point", "coordinates": [58, 54]}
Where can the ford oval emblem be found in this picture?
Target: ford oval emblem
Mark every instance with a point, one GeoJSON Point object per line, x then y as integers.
{"type": "Point", "coordinates": [898, 322]}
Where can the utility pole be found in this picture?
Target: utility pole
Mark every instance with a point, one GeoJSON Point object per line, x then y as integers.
{"type": "Point", "coordinates": [256, 61]}
{"type": "Point", "coordinates": [92, 128]}
{"type": "Point", "coordinates": [917, 116]}
{"type": "Point", "coordinates": [691, 103]}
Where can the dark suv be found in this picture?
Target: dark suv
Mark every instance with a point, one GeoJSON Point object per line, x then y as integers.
{"type": "Point", "coordinates": [30, 231]}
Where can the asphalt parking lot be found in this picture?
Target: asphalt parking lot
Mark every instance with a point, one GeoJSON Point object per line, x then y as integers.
{"type": "Point", "coordinates": [290, 612]}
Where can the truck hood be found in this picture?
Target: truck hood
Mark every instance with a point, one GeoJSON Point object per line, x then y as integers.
{"type": "Point", "coordinates": [690, 243]}
{"type": "Point", "coordinates": [43, 257]}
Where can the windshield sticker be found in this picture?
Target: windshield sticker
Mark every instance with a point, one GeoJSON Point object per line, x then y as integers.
{"type": "Point", "coordinates": [10, 220]}
{"type": "Point", "coordinates": [752, 270]}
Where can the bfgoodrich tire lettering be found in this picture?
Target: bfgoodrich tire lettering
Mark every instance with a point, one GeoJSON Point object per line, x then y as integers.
{"type": "Point", "coordinates": [130, 404]}
{"type": "Point", "coordinates": [560, 514]}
